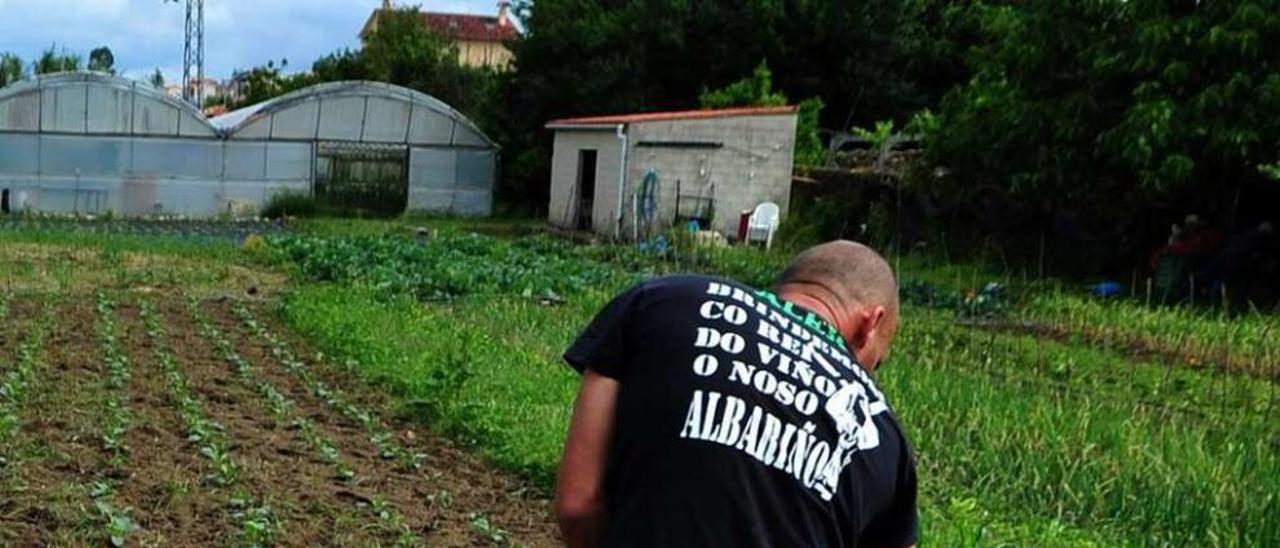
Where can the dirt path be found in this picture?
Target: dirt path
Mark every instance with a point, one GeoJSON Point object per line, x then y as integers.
{"type": "Point", "coordinates": [450, 499]}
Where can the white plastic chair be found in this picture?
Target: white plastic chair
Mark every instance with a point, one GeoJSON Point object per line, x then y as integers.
{"type": "Point", "coordinates": [762, 224]}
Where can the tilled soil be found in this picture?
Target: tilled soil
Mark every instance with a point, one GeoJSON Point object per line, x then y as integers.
{"type": "Point", "coordinates": [452, 499]}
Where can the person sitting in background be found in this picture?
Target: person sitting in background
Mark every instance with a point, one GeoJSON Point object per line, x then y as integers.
{"type": "Point", "coordinates": [1240, 264]}
{"type": "Point", "coordinates": [1196, 240]}
{"type": "Point", "coordinates": [1190, 247]}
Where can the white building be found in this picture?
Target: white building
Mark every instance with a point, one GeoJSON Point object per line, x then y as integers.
{"type": "Point", "coordinates": [708, 165]}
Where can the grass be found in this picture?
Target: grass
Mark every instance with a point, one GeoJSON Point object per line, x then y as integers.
{"type": "Point", "coordinates": [60, 260]}
{"type": "Point", "coordinates": [1084, 453]}
{"type": "Point", "coordinates": [513, 399]}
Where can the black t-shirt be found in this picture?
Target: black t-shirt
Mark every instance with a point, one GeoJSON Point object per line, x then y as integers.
{"type": "Point", "coordinates": [742, 420]}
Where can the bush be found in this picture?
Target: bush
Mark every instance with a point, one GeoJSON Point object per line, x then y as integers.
{"type": "Point", "coordinates": [290, 204]}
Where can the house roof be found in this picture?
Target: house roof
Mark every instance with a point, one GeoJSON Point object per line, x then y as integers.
{"type": "Point", "coordinates": [473, 28]}
{"type": "Point", "coordinates": [615, 119]}
{"type": "Point", "coordinates": [459, 26]}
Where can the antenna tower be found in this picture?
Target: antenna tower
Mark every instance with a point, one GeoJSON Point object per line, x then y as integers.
{"type": "Point", "coordinates": [193, 54]}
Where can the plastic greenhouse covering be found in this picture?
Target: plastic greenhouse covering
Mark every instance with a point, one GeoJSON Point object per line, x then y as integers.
{"type": "Point", "coordinates": [92, 143]}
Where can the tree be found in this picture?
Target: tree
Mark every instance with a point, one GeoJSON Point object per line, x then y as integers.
{"type": "Point", "coordinates": [11, 69]}
{"type": "Point", "coordinates": [405, 52]}
{"type": "Point", "coordinates": [102, 60]}
{"type": "Point", "coordinates": [1115, 99]}
{"type": "Point", "coordinates": [401, 51]}
{"type": "Point", "coordinates": [52, 60]}
{"type": "Point", "coordinates": [218, 100]}
{"type": "Point", "coordinates": [340, 65]}
{"type": "Point", "coordinates": [267, 82]}
{"type": "Point", "coordinates": [757, 90]}
{"type": "Point", "coordinates": [866, 61]}
{"type": "Point", "coordinates": [157, 79]}
{"type": "Point", "coordinates": [754, 90]}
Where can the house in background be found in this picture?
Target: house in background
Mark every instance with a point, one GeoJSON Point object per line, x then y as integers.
{"type": "Point", "coordinates": [481, 39]}
{"type": "Point", "coordinates": [627, 175]}
{"type": "Point", "coordinates": [238, 86]}
{"type": "Point", "coordinates": [206, 88]}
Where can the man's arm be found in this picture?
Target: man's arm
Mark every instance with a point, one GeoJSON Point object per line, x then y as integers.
{"type": "Point", "coordinates": [580, 485]}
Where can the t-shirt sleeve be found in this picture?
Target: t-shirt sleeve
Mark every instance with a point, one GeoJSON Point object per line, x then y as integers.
{"type": "Point", "coordinates": [601, 347]}
{"type": "Point", "coordinates": [898, 525]}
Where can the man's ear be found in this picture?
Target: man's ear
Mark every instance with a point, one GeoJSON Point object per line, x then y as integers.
{"type": "Point", "coordinates": [865, 324]}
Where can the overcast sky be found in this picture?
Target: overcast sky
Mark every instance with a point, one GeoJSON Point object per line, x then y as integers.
{"type": "Point", "coordinates": [147, 34]}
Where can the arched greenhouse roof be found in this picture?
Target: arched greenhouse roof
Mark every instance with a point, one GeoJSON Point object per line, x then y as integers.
{"type": "Point", "coordinates": [93, 103]}
{"type": "Point", "coordinates": [355, 111]}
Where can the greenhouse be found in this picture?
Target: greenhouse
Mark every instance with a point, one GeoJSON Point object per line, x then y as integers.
{"type": "Point", "coordinates": [90, 143]}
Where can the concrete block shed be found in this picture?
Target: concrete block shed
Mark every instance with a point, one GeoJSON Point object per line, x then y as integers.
{"type": "Point", "coordinates": [708, 164]}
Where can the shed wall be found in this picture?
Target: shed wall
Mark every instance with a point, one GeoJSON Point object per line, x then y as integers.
{"type": "Point", "coordinates": [753, 165]}
{"type": "Point", "coordinates": [562, 210]}
{"type": "Point", "coordinates": [737, 162]}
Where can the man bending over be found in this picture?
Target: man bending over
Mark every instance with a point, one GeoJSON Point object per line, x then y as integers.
{"type": "Point", "coordinates": [713, 414]}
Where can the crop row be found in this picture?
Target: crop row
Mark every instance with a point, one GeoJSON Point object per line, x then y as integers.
{"type": "Point", "coordinates": [1240, 343]}
{"type": "Point", "coordinates": [381, 436]}
{"type": "Point", "coordinates": [117, 417]}
{"type": "Point", "coordinates": [1195, 397]}
{"type": "Point", "coordinates": [16, 385]}
{"type": "Point", "coordinates": [119, 523]}
{"type": "Point", "coordinates": [258, 524]}
{"type": "Point", "coordinates": [282, 407]}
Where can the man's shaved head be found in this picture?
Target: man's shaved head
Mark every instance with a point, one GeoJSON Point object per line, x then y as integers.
{"type": "Point", "coordinates": [856, 286]}
{"type": "Point", "coordinates": [852, 272]}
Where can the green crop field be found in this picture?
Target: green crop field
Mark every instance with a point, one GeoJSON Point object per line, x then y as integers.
{"type": "Point", "coordinates": [1041, 416]}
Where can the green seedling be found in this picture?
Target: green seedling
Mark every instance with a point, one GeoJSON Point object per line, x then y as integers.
{"type": "Point", "coordinates": [119, 524]}
{"type": "Point", "coordinates": [481, 524]}
{"type": "Point", "coordinates": [259, 526]}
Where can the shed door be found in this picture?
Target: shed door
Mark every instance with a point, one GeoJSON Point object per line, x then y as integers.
{"type": "Point", "coordinates": [586, 188]}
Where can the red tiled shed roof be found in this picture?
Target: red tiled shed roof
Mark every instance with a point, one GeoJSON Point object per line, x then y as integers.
{"type": "Point", "coordinates": [616, 119]}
